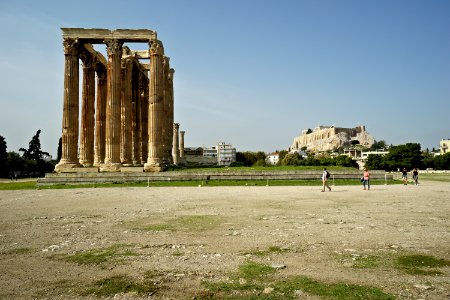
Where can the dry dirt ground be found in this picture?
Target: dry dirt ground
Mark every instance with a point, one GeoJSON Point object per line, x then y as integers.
{"type": "Point", "coordinates": [178, 238]}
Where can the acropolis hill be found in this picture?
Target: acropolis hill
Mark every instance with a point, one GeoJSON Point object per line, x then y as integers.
{"type": "Point", "coordinates": [330, 138]}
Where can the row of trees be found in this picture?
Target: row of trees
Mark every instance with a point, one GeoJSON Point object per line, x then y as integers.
{"type": "Point", "coordinates": [32, 162]}
{"type": "Point", "coordinates": [250, 159]}
{"type": "Point", "coordinates": [408, 156]}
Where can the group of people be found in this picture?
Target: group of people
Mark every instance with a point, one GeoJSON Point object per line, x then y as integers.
{"type": "Point", "coordinates": [415, 176]}
{"type": "Point", "coordinates": [325, 175]}
{"type": "Point", "coordinates": [365, 179]}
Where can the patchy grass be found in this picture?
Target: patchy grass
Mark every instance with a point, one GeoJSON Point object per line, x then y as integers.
{"type": "Point", "coordinates": [367, 262]}
{"type": "Point", "coordinates": [181, 223]}
{"type": "Point", "coordinates": [119, 284]}
{"type": "Point", "coordinates": [252, 270]}
{"type": "Point", "coordinates": [441, 177]}
{"type": "Point", "coordinates": [99, 256]}
{"type": "Point", "coordinates": [267, 252]}
{"type": "Point", "coordinates": [177, 253]}
{"type": "Point", "coordinates": [255, 281]}
{"type": "Point", "coordinates": [158, 227]}
{"type": "Point", "coordinates": [32, 185]}
{"type": "Point", "coordinates": [417, 264]}
{"type": "Point", "coordinates": [18, 185]}
{"type": "Point", "coordinates": [329, 290]}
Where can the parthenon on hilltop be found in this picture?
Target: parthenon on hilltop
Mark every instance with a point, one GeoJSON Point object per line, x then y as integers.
{"type": "Point", "coordinates": [127, 107]}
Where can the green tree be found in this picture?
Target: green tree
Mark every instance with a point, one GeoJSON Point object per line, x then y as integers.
{"type": "Point", "coordinates": [3, 157]}
{"type": "Point", "coordinates": [16, 164]}
{"type": "Point", "coordinates": [35, 165]}
{"type": "Point", "coordinates": [428, 159]}
{"type": "Point", "coordinates": [408, 155]}
{"type": "Point", "coordinates": [379, 145]}
{"type": "Point", "coordinates": [281, 155]}
{"type": "Point", "coordinates": [249, 158]}
{"type": "Point", "coordinates": [292, 159]}
{"type": "Point", "coordinates": [442, 162]}
{"type": "Point", "coordinates": [59, 152]}
{"type": "Point", "coordinates": [345, 161]}
{"type": "Point", "coordinates": [375, 162]}
{"type": "Point", "coordinates": [34, 151]}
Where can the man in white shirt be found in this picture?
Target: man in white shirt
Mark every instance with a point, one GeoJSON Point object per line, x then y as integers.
{"type": "Point", "coordinates": [324, 180]}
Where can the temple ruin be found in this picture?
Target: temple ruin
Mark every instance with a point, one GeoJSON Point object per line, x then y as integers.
{"type": "Point", "coordinates": [127, 107]}
{"type": "Point", "coordinates": [331, 138]}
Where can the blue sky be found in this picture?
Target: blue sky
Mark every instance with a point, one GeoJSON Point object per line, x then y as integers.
{"type": "Point", "coordinates": [250, 73]}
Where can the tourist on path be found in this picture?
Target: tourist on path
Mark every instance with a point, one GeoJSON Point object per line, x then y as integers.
{"type": "Point", "coordinates": [405, 176]}
{"type": "Point", "coordinates": [325, 176]}
{"type": "Point", "coordinates": [366, 179]}
{"type": "Point", "coordinates": [415, 176]}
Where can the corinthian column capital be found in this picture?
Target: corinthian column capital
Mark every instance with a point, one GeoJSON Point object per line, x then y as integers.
{"type": "Point", "coordinates": [114, 47]}
{"type": "Point", "coordinates": [71, 46]}
{"type": "Point", "coordinates": [171, 74]}
{"type": "Point", "coordinates": [156, 48]}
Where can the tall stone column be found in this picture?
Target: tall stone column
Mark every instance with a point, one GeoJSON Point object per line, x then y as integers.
{"type": "Point", "coordinates": [87, 111]}
{"type": "Point", "coordinates": [112, 147]}
{"type": "Point", "coordinates": [136, 119]}
{"type": "Point", "coordinates": [182, 159]}
{"type": "Point", "coordinates": [144, 116]}
{"type": "Point", "coordinates": [100, 116]}
{"type": "Point", "coordinates": [167, 128]}
{"type": "Point", "coordinates": [69, 155]}
{"type": "Point", "coordinates": [155, 156]}
{"type": "Point", "coordinates": [127, 94]}
{"type": "Point", "coordinates": [175, 152]}
{"type": "Point", "coordinates": [170, 115]}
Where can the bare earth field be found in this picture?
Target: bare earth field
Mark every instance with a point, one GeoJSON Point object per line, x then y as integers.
{"type": "Point", "coordinates": [198, 242]}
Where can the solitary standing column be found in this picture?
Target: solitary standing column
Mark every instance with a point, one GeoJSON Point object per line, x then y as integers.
{"type": "Point", "coordinates": [155, 141]}
{"type": "Point", "coordinates": [112, 153]}
{"type": "Point", "coordinates": [127, 95]}
{"type": "Point", "coordinates": [87, 111]}
{"type": "Point", "coordinates": [182, 159]}
{"type": "Point", "coordinates": [175, 153]}
{"type": "Point", "coordinates": [100, 117]}
{"type": "Point", "coordinates": [69, 155]}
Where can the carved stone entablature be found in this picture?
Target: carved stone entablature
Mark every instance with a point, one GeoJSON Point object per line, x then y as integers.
{"type": "Point", "coordinates": [71, 46]}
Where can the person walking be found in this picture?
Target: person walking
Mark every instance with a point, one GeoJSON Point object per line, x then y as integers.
{"type": "Point", "coordinates": [366, 179]}
{"type": "Point", "coordinates": [325, 176]}
{"type": "Point", "coordinates": [415, 176]}
{"type": "Point", "coordinates": [405, 176]}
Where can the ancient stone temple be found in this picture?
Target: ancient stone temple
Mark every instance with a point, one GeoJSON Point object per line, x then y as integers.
{"type": "Point", "coordinates": [330, 138]}
{"type": "Point", "coordinates": [127, 106]}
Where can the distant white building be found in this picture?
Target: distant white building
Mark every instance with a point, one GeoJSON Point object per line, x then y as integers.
{"type": "Point", "coordinates": [300, 152]}
{"type": "Point", "coordinates": [224, 152]}
{"type": "Point", "coordinates": [444, 146]}
{"type": "Point", "coordinates": [365, 154]}
{"type": "Point", "coordinates": [272, 158]}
